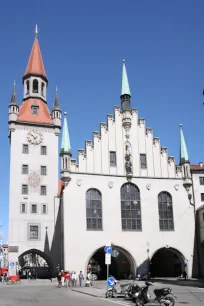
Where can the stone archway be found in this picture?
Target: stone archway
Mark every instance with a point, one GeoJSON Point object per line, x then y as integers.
{"type": "Point", "coordinates": [38, 261]}
{"type": "Point", "coordinates": [167, 262]}
{"type": "Point", "coordinates": [121, 266]}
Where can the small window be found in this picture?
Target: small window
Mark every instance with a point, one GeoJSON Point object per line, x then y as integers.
{"type": "Point", "coordinates": [34, 109]}
{"type": "Point", "coordinates": [44, 208]}
{"type": "Point", "coordinates": [34, 208]}
{"type": "Point", "coordinates": [25, 149]}
{"type": "Point", "coordinates": [24, 169]}
{"type": "Point", "coordinates": [27, 87]}
{"type": "Point", "coordinates": [201, 180]}
{"type": "Point", "coordinates": [143, 161]}
{"type": "Point", "coordinates": [202, 197]}
{"type": "Point", "coordinates": [43, 150]}
{"type": "Point", "coordinates": [35, 86]}
{"type": "Point", "coordinates": [43, 170]}
{"type": "Point", "coordinates": [43, 190]}
{"type": "Point", "coordinates": [24, 189]}
{"type": "Point", "coordinates": [43, 89]}
{"type": "Point", "coordinates": [23, 208]}
{"type": "Point", "coordinates": [113, 159]}
{"type": "Point", "coordinates": [34, 232]}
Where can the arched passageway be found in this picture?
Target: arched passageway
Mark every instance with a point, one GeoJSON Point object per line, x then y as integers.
{"type": "Point", "coordinates": [37, 262]}
{"type": "Point", "coordinates": [167, 262]}
{"type": "Point", "coordinates": [121, 265]}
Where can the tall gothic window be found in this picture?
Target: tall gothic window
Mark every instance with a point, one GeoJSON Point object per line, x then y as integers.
{"type": "Point", "coordinates": [43, 89]}
{"type": "Point", "coordinates": [27, 87]}
{"type": "Point", "coordinates": [130, 207]}
{"type": "Point", "coordinates": [35, 86]}
{"type": "Point", "coordinates": [93, 209]}
{"type": "Point", "coordinates": [166, 218]}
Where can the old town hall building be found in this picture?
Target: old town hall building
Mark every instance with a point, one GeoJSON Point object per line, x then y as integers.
{"type": "Point", "coordinates": [123, 189]}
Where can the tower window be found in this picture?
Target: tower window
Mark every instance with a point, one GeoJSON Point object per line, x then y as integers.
{"type": "Point", "coordinates": [27, 87]}
{"type": "Point", "coordinates": [34, 208]}
{"type": "Point", "coordinates": [43, 89]}
{"type": "Point", "coordinates": [43, 150]}
{"type": "Point", "coordinates": [201, 178]}
{"type": "Point", "coordinates": [35, 108]}
{"type": "Point", "coordinates": [35, 86]}
{"type": "Point", "coordinates": [24, 169]}
{"type": "Point", "coordinates": [25, 148]}
{"type": "Point", "coordinates": [44, 209]}
{"type": "Point", "coordinates": [202, 197]}
{"type": "Point", "coordinates": [24, 189]}
{"type": "Point", "coordinates": [43, 170]}
{"type": "Point", "coordinates": [43, 190]}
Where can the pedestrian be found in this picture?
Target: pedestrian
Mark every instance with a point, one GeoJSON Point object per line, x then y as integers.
{"type": "Point", "coordinates": [81, 278]}
{"type": "Point", "coordinates": [74, 279]}
{"type": "Point", "coordinates": [185, 274]}
{"type": "Point", "coordinates": [90, 277]}
{"type": "Point", "coordinates": [59, 279]}
{"type": "Point", "coordinates": [62, 279]}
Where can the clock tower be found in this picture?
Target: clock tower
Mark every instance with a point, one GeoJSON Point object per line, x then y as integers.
{"type": "Point", "coordinates": [33, 134]}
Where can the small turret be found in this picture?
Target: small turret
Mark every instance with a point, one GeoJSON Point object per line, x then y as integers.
{"type": "Point", "coordinates": [125, 91]}
{"type": "Point", "coordinates": [56, 112]}
{"type": "Point", "coordinates": [13, 109]}
{"type": "Point", "coordinates": [65, 152]}
{"type": "Point", "coordinates": [185, 162]}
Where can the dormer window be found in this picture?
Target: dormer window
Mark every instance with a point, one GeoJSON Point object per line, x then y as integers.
{"type": "Point", "coordinates": [35, 108]}
{"type": "Point", "coordinates": [35, 86]}
{"type": "Point", "coordinates": [43, 89]}
{"type": "Point", "coordinates": [27, 87]}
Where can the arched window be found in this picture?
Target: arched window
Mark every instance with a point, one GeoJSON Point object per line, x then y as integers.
{"type": "Point", "coordinates": [93, 209]}
{"type": "Point", "coordinates": [27, 87]}
{"type": "Point", "coordinates": [166, 218]}
{"type": "Point", "coordinates": [43, 89]}
{"type": "Point", "coordinates": [130, 207]}
{"type": "Point", "coordinates": [35, 86]}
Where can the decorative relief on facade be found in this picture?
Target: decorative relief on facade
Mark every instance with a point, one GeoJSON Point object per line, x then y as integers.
{"type": "Point", "coordinates": [110, 184]}
{"type": "Point", "coordinates": [178, 169]}
{"type": "Point", "coordinates": [171, 159]}
{"type": "Point", "coordinates": [163, 150]}
{"type": "Point", "coordinates": [79, 183]}
{"type": "Point", "coordinates": [156, 140]}
{"type": "Point", "coordinates": [176, 187]}
{"type": "Point", "coordinates": [149, 131]}
{"type": "Point", "coordinates": [126, 121]}
{"type": "Point", "coordinates": [34, 179]}
{"type": "Point", "coordinates": [148, 186]}
{"type": "Point", "coordinates": [128, 158]}
{"type": "Point", "coordinates": [141, 121]}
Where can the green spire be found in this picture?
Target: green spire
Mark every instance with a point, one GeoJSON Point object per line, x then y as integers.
{"type": "Point", "coordinates": [56, 105]}
{"type": "Point", "coordinates": [13, 97]}
{"type": "Point", "coordinates": [65, 144]}
{"type": "Point", "coordinates": [183, 149]}
{"type": "Point", "coordinates": [125, 84]}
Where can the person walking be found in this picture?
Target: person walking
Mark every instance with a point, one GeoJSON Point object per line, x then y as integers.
{"type": "Point", "coordinates": [81, 277]}
{"type": "Point", "coordinates": [74, 279]}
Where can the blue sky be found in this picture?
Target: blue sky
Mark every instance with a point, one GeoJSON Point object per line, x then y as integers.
{"type": "Point", "coordinates": [83, 44]}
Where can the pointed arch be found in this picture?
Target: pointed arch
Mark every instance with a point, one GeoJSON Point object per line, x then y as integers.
{"type": "Point", "coordinates": [165, 206]}
{"type": "Point", "coordinates": [94, 220]}
{"type": "Point", "coordinates": [130, 207]}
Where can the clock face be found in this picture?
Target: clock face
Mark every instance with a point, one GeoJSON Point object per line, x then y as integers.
{"type": "Point", "coordinates": [35, 137]}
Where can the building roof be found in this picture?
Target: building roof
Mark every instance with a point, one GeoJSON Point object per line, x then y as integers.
{"type": "Point", "coordinates": [125, 90]}
{"type": "Point", "coordinates": [183, 149]}
{"type": "Point", "coordinates": [56, 105]}
{"type": "Point", "coordinates": [65, 144]}
{"type": "Point", "coordinates": [35, 63]}
{"type": "Point", "coordinates": [199, 167]}
{"type": "Point", "coordinates": [25, 112]}
{"type": "Point", "coordinates": [13, 97]}
{"type": "Point", "coordinates": [4, 246]}
{"type": "Point", "coordinates": [60, 187]}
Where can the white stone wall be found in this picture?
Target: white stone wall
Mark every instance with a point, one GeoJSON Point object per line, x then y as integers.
{"type": "Point", "coordinates": [198, 189]}
{"type": "Point", "coordinates": [18, 222]}
{"type": "Point", "coordinates": [96, 157]}
{"type": "Point", "coordinates": [80, 243]}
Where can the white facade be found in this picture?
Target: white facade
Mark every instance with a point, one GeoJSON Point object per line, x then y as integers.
{"type": "Point", "coordinates": [94, 171]}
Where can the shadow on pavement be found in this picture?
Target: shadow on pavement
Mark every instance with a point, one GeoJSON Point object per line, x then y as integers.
{"type": "Point", "coordinates": [180, 282]}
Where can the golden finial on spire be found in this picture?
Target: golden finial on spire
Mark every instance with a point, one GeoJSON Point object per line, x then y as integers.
{"type": "Point", "coordinates": [180, 125]}
{"type": "Point", "coordinates": [36, 30]}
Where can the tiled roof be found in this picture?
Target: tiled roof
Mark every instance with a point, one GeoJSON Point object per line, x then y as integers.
{"type": "Point", "coordinates": [60, 186]}
{"type": "Point", "coordinates": [197, 167]}
{"type": "Point", "coordinates": [35, 62]}
{"type": "Point", "coordinates": [25, 112]}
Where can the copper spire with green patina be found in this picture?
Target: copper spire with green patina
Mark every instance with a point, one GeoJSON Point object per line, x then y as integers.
{"type": "Point", "coordinates": [65, 143]}
{"type": "Point", "coordinates": [125, 90]}
{"type": "Point", "coordinates": [13, 97]}
{"type": "Point", "coordinates": [183, 149]}
{"type": "Point", "coordinates": [56, 105]}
